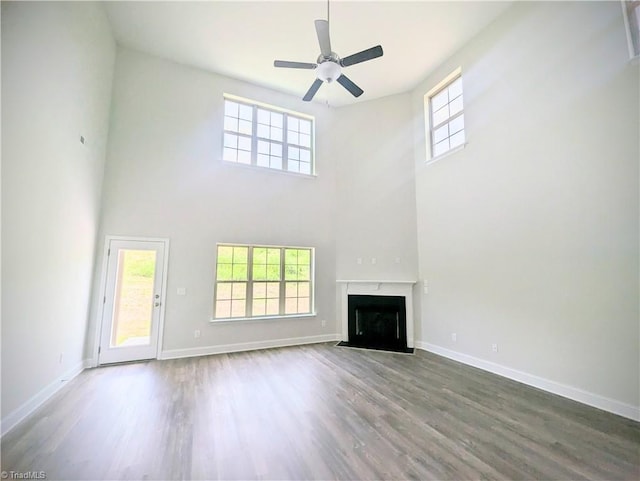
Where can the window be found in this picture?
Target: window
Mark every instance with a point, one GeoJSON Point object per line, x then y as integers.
{"type": "Point", "coordinates": [263, 281]}
{"type": "Point", "coordinates": [631, 12]}
{"type": "Point", "coordinates": [265, 136]}
{"type": "Point", "coordinates": [444, 105]}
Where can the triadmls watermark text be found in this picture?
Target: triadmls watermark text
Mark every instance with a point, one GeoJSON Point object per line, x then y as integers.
{"type": "Point", "coordinates": [23, 475]}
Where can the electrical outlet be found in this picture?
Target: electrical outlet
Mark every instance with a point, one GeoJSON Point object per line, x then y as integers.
{"type": "Point", "coordinates": [494, 347]}
{"type": "Point", "coordinates": [454, 337]}
{"type": "Point", "coordinates": [324, 323]}
{"type": "Point", "coordinates": [374, 260]}
{"type": "Point", "coordinates": [181, 291]}
{"type": "Point", "coordinates": [196, 333]}
{"type": "Point", "coordinates": [359, 260]}
{"type": "Point", "coordinates": [425, 286]}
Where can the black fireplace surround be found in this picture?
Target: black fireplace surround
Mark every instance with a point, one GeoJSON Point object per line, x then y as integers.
{"type": "Point", "coordinates": [377, 322]}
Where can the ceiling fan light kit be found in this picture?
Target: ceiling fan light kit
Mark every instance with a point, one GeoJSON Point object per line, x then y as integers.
{"type": "Point", "coordinates": [329, 66]}
{"type": "Point", "coordinates": [328, 71]}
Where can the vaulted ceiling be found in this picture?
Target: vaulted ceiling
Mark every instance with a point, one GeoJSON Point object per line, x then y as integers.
{"type": "Point", "coordinates": [242, 39]}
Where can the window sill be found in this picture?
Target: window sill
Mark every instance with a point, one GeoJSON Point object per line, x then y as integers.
{"type": "Point", "coordinates": [263, 318]}
{"type": "Point", "coordinates": [258, 168]}
{"type": "Point", "coordinates": [446, 154]}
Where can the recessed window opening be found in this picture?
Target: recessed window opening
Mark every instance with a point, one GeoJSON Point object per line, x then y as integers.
{"type": "Point", "coordinates": [446, 116]}
{"type": "Point", "coordinates": [263, 281]}
{"type": "Point", "coordinates": [265, 136]}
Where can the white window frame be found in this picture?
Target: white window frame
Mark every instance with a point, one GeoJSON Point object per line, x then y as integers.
{"type": "Point", "coordinates": [631, 14]}
{"type": "Point", "coordinates": [250, 283]}
{"type": "Point", "coordinates": [428, 113]}
{"type": "Point", "coordinates": [284, 143]}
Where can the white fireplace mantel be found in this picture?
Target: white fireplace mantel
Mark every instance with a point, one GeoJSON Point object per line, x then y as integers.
{"type": "Point", "coordinates": [377, 288]}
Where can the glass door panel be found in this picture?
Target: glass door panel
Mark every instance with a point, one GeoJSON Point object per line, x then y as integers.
{"type": "Point", "coordinates": [134, 299]}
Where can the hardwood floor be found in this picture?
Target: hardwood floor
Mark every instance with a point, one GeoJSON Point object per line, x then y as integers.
{"type": "Point", "coordinates": [316, 412]}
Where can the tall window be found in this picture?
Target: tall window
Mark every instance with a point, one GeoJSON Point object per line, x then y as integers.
{"type": "Point", "coordinates": [264, 136]}
{"type": "Point", "coordinates": [446, 116]}
{"type": "Point", "coordinates": [263, 281]}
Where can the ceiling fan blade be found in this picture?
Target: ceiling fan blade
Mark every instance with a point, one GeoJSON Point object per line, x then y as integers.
{"type": "Point", "coordinates": [287, 64]}
{"type": "Point", "coordinates": [370, 53]}
{"type": "Point", "coordinates": [350, 86]}
{"type": "Point", "coordinates": [322, 29]}
{"type": "Point", "coordinates": [312, 91]}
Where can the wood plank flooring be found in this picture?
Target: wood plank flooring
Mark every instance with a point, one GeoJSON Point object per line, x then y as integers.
{"type": "Point", "coordinates": [316, 412]}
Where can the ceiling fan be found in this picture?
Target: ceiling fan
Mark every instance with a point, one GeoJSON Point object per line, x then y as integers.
{"type": "Point", "coordinates": [329, 66]}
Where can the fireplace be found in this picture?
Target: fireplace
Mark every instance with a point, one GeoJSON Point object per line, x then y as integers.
{"type": "Point", "coordinates": [377, 315]}
{"type": "Point", "coordinates": [377, 322]}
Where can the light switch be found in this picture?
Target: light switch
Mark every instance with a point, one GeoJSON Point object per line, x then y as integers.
{"type": "Point", "coordinates": [181, 291]}
{"type": "Point", "coordinates": [373, 260]}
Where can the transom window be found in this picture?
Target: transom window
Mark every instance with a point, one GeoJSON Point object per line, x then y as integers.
{"type": "Point", "coordinates": [264, 136]}
{"type": "Point", "coordinates": [446, 116]}
{"type": "Point", "coordinates": [263, 281]}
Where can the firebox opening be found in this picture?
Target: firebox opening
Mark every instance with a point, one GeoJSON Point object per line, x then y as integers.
{"type": "Point", "coordinates": [377, 322]}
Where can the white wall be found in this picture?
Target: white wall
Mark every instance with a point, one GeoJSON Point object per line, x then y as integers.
{"type": "Point", "coordinates": [57, 66]}
{"type": "Point", "coordinates": [529, 236]}
{"type": "Point", "coordinates": [165, 178]}
{"type": "Point", "coordinates": [372, 143]}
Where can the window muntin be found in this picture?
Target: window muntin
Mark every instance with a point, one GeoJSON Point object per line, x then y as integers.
{"type": "Point", "coordinates": [263, 281]}
{"type": "Point", "coordinates": [257, 135]}
{"type": "Point", "coordinates": [297, 274]}
{"type": "Point", "coordinates": [232, 276]}
{"type": "Point", "coordinates": [446, 118]}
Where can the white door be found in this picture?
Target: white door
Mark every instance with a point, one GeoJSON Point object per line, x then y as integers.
{"type": "Point", "coordinates": [132, 303]}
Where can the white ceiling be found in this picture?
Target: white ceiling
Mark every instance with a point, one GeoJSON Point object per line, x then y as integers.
{"type": "Point", "coordinates": [242, 39]}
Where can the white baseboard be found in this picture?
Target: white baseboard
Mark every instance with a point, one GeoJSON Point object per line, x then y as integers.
{"type": "Point", "coordinates": [246, 346]}
{"type": "Point", "coordinates": [14, 418]}
{"type": "Point", "coordinates": [595, 400]}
